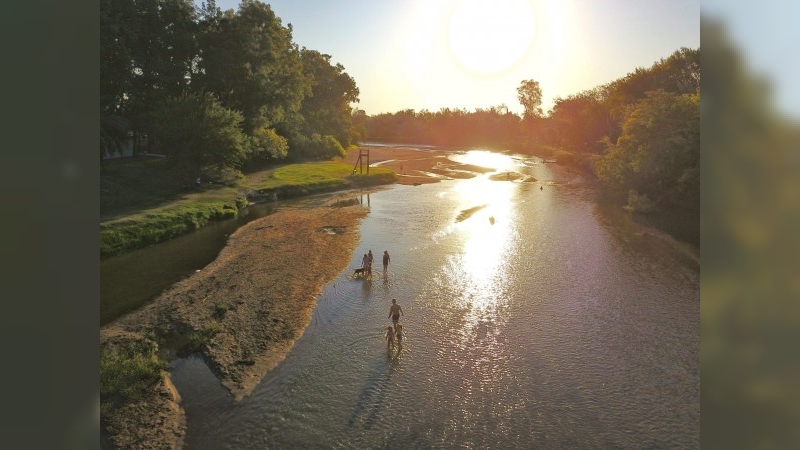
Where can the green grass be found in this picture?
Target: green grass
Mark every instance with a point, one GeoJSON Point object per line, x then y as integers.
{"type": "Point", "coordinates": [127, 371]}
{"type": "Point", "coordinates": [170, 220]}
{"type": "Point", "coordinates": [137, 218]}
{"type": "Point", "coordinates": [305, 174]}
{"type": "Point", "coordinates": [316, 175]}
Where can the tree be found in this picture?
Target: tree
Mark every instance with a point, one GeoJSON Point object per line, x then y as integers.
{"type": "Point", "coordinates": [147, 49]}
{"type": "Point", "coordinates": [117, 41]}
{"type": "Point", "coordinates": [248, 60]}
{"type": "Point", "coordinates": [196, 132]}
{"type": "Point", "coordinates": [579, 122]}
{"type": "Point", "coordinates": [113, 134]}
{"type": "Point", "coordinates": [529, 95]}
{"type": "Point", "coordinates": [658, 153]}
{"type": "Point", "coordinates": [679, 73]}
{"type": "Point", "coordinates": [327, 110]}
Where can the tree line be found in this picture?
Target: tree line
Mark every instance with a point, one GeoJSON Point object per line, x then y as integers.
{"type": "Point", "coordinates": [213, 89]}
{"type": "Point", "coordinates": [638, 135]}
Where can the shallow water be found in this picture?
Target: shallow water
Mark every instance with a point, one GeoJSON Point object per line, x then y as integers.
{"type": "Point", "coordinates": [552, 327]}
{"type": "Point", "coordinates": [132, 279]}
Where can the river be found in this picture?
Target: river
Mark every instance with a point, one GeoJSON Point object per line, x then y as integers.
{"type": "Point", "coordinates": [534, 318]}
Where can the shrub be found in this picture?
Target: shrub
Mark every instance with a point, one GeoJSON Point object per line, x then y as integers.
{"type": "Point", "coordinates": [639, 203]}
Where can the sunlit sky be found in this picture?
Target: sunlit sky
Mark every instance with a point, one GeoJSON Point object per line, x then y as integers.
{"type": "Point", "coordinates": [433, 54]}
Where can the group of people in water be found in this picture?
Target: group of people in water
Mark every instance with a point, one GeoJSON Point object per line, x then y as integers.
{"type": "Point", "coordinates": [366, 263]}
{"type": "Point", "coordinates": [394, 333]}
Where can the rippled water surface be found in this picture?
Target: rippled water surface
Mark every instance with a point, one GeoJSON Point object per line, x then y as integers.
{"type": "Point", "coordinates": [553, 325]}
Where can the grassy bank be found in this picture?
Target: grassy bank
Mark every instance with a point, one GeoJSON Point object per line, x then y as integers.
{"type": "Point", "coordinates": [137, 218]}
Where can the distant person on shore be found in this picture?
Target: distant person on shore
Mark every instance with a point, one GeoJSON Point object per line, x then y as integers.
{"type": "Point", "coordinates": [398, 335]}
{"type": "Point", "coordinates": [385, 261]}
{"type": "Point", "coordinates": [369, 263]}
{"type": "Point", "coordinates": [389, 338]}
{"type": "Point", "coordinates": [395, 311]}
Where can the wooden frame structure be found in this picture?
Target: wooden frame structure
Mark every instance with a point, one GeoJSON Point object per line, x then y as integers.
{"type": "Point", "coordinates": [362, 152]}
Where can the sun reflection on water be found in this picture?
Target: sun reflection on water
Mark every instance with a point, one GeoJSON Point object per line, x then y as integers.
{"type": "Point", "coordinates": [478, 274]}
{"type": "Point", "coordinates": [497, 161]}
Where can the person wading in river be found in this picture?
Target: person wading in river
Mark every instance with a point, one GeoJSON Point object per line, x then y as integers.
{"type": "Point", "coordinates": [389, 338]}
{"type": "Point", "coordinates": [395, 311]}
{"type": "Point", "coordinates": [385, 261]}
{"type": "Point", "coordinates": [365, 262]}
{"type": "Point", "coordinates": [399, 334]}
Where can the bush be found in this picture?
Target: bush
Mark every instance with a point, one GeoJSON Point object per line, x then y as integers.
{"type": "Point", "coordinates": [228, 176]}
{"type": "Point", "coordinates": [267, 145]}
{"type": "Point", "coordinates": [639, 203]}
{"type": "Point", "coordinates": [322, 147]}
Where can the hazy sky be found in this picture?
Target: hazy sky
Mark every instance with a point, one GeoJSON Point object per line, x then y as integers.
{"type": "Point", "coordinates": [767, 35]}
{"type": "Point", "coordinates": [432, 54]}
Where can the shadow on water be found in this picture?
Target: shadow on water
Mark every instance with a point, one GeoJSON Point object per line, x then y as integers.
{"type": "Point", "coordinates": [373, 395]}
{"type": "Point", "coordinates": [366, 288]}
{"type": "Point", "coordinates": [387, 285]}
{"type": "Point", "coordinates": [355, 201]}
{"type": "Point", "coordinates": [640, 235]}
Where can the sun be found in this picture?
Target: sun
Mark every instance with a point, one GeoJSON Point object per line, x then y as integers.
{"type": "Point", "coordinates": [491, 36]}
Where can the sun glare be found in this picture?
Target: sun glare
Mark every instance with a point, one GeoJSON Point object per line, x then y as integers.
{"type": "Point", "coordinates": [487, 226]}
{"type": "Point", "coordinates": [484, 158]}
{"type": "Point", "coordinates": [491, 36]}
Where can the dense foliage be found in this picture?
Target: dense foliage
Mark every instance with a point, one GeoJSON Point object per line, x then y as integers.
{"type": "Point", "coordinates": [196, 131]}
{"type": "Point", "coordinates": [207, 87]}
{"type": "Point", "coordinates": [657, 156]}
{"type": "Point", "coordinates": [640, 134]}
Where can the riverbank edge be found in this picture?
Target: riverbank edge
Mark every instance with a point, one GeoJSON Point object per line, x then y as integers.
{"type": "Point", "coordinates": [120, 235]}
{"type": "Point", "coordinates": [257, 308]}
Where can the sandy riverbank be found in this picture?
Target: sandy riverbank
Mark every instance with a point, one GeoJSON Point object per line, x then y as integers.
{"type": "Point", "coordinates": [256, 298]}
{"type": "Point", "coordinates": [417, 165]}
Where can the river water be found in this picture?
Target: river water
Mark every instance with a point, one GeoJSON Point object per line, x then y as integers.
{"type": "Point", "coordinates": [556, 324]}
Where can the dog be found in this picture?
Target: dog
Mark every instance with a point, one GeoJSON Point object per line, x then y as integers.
{"type": "Point", "coordinates": [359, 272]}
